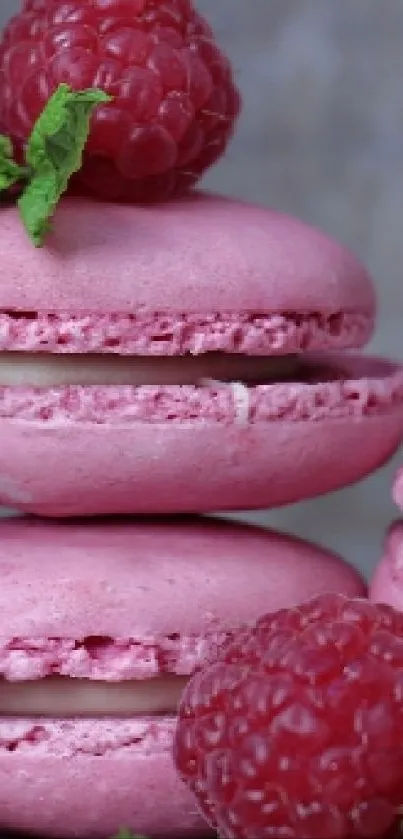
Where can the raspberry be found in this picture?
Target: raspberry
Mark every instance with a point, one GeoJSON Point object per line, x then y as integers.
{"type": "Point", "coordinates": [296, 728]}
{"type": "Point", "coordinates": [175, 102]}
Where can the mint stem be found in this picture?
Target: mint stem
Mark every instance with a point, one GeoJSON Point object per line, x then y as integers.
{"type": "Point", "coordinates": [54, 153]}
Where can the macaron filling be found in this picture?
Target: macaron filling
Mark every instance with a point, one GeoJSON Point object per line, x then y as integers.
{"type": "Point", "coordinates": [38, 370]}
{"type": "Point", "coordinates": [324, 386]}
{"type": "Point", "coordinates": [99, 677]}
{"type": "Point", "coordinates": [64, 697]}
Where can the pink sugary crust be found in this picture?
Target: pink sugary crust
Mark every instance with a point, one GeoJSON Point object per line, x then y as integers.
{"type": "Point", "coordinates": [110, 660]}
{"type": "Point", "coordinates": [331, 388]}
{"type": "Point", "coordinates": [91, 469]}
{"type": "Point", "coordinates": [387, 582]}
{"type": "Point", "coordinates": [116, 773]}
{"type": "Point", "coordinates": [89, 451]}
{"type": "Point", "coordinates": [398, 489]}
{"type": "Point", "coordinates": [171, 584]}
{"type": "Point", "coordinates": [106, 258]}
{"type": "Point", "coordinates": [164, 333]}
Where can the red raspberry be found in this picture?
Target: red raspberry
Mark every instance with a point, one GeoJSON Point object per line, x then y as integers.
{"type": "Point", "coordinates": [296, 730]}
{"type": "Point", "coordinates": [175, 102]}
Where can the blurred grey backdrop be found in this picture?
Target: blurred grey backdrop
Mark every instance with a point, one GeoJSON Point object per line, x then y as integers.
{"type": "Point", "coordinates": [322, 137]}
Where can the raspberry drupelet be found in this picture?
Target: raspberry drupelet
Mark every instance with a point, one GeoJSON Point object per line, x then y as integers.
{"type": "Point", "coordinates": [174, 104]}
{"type": "Point", "coordinates": [295, 731]}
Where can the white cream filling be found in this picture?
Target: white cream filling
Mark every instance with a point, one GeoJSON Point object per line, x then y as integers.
{"type": "Point", "coordinates": [60, 697]}
{"type": "Point", "coordinates": [45, 370]}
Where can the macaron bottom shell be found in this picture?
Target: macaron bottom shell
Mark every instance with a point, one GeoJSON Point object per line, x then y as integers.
{"type": "Point", "coordinates": [89, 451]}
{"type": "Point", "coordinates": [66, 779]}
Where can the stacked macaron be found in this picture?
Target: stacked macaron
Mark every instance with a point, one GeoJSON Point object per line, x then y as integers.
{"type": "Point", "coordinates": [101, 625]}
{"type": "Point", "coordinates": [189, 356]}
{"type": "Point", "coordinates": [387, 582]}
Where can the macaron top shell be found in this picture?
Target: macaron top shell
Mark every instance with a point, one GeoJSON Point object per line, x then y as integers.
{"type": "Point", "coordinates": [148, 580]}
{"type": "Point", "coordinates": [201, 254]}
{"type": "Point", "coordinates": [398, 489]}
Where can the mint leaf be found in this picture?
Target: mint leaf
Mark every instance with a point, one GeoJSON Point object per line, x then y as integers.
{"type": "Point", "coordinates": [54, 153]}
{"type": "Point", "coordinates": [10, 172]}
{"type": "Point", "coordinates": [126, 834]}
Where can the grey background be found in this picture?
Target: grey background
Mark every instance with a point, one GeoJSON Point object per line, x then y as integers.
{"type": "Point", "coordinates": [322, 137]}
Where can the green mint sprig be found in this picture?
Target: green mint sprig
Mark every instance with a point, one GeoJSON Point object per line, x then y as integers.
{"type": "Point", "coordinates": [126, 834]}
{"type": "Point", "coordinates": [53, 154]}
{"type": "Point", "coordinates": [10, 171]}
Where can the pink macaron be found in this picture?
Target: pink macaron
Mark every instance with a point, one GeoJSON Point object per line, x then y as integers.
{"type": "Point", "coordinates": [398, 489]}
{"type": "Point", "coordinates": [387, 582]}
{"type": "Point", "coordinates": [185, 358]}
{"type": "Point", "coordinates": [101, 625]}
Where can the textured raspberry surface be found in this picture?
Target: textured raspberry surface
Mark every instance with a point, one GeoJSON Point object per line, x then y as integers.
{"type": "Point", "coordinates": [295, 729]}
{"type": "Point", "coordinates": [164, 333]}
{"type": "Point", "coordinates": [175, 102]}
